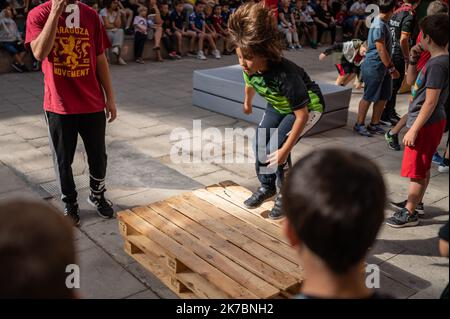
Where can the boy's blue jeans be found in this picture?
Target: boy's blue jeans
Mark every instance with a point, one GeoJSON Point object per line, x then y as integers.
{"type": "Point", "coordinates": [272, 133]}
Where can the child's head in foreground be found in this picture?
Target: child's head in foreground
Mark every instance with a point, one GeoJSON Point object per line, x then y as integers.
{"type": "Point", "coordinates": [254, 33]}
{"type": "Point", "coordinates": [36, 246]}
{"type": "Point", "coordinates": [334, 202]}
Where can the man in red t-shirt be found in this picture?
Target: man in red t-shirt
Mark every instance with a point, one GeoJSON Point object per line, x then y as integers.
{"type": "Point", "coordinates": [69, 39]}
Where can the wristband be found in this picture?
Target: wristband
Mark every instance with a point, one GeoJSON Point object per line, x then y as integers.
{"type": "Point", "coordinates": [391, 70]}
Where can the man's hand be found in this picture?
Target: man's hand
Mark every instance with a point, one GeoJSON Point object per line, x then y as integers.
{"type": "Point", "coordinates": [277, 158]}
{"type": "Point", "coordinates": [58, 7]}
{"type": "Point", "coordinates": [247, 108]}
{"type": "Point", "coordinates": [410, 138]}
{"type": "Point", "coordinates": [111, 111]}
{"type": "Point", "coordinates": [322, 56]}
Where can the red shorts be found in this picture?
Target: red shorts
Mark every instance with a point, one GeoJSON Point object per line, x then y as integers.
{"type": "Point", "coordinates": [417, 160]}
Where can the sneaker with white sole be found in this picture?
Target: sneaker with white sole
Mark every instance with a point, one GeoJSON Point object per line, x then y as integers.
{"type": "Point", "coordinates": [443, 167]}
{"type": "Point", "coordinates": [403, 218]}
{"type": "Point", "coordinates": [201, 55]}
{"type": "Point", "coordinates": [216, 54]}
{"type": "Point", "coordinates": [103, 206]}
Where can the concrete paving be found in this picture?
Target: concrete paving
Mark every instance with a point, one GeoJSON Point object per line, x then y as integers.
{"type": "Point", "coordinates": [153, 100]}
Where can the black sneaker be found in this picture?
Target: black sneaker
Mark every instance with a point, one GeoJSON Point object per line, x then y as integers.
{"type": "Point", "coordinates": [103, 206]}
{"type": "Point", "coordinates": [276, 212]}
{"type": "Point", "coordinates": [392, 140]}
{"type": "Point", "coordinates": [259, 197]}
{"type": "Point", "coordinates": [375, 129]}
{"type": "Point", "coordinates": [401, 205]}
{"type": "Point", "coordinates": [16, 66]}
{"type": "Point", "coordinates": [403, 218]}
{"type": "Point", "coordinates": [24, 68]}
{"type": "Point", "coordinates": [72, 212]}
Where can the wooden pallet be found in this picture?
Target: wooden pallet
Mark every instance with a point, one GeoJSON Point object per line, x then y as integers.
{"type": "Point", "coordinates": [206, 244]}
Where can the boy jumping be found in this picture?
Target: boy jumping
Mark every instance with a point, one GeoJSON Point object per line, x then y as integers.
{"type": "Point", "coordinates": [295, 102]}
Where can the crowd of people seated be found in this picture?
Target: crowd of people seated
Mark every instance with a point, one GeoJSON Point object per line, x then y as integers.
{"type": "Point", "coordinates": [203, 22]}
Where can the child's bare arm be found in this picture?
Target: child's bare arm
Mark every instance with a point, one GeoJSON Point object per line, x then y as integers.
{"type": "Point", "coordinates": [386, 59]}
{"type": "Point", "coordinates": [431, 100]}
{"type": "Point", "coordinates": [248, 101]}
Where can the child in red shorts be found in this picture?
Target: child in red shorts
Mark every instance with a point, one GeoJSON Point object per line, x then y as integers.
{"type": "Point", "coordinates": [426, 118]}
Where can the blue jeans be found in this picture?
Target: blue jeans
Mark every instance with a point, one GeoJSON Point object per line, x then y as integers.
{"type": "Point", "coordinates": [272, 133]}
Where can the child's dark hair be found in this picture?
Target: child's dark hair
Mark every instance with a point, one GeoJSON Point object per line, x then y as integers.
{"type": "Point", "coordinates": [224, 3]}
{"type": "Point", "coordinates": [386, 6]}
{"type": "Point", "coordinates": [199, 2]}
{"type": "Point", "coordinates": [36, 246]}
{"type": "Point", "coordinates": [253, 29]}
{"type": "Point", "coordinates": [436, 27]}
{"type": "Point", "coordinates": [334, 200]}
{"type": "Point", "coordinates": [177, 3]}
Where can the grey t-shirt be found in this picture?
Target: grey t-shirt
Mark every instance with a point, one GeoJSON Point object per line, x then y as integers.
{"type": "Point", "coordinates": [434, 75]}
{"type": "Point", "coordinates": [379, 31]}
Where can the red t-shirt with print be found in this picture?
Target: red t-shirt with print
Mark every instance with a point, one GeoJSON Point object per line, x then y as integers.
{"type": "Point", "coordinates": [70, 77]}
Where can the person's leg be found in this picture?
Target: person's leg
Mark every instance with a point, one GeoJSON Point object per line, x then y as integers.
{"type": "Point", "coordinates": [201, 40]}
{"type": "Point", "coordinates": [295, 38]}
{"type": "Point", "coordinates": [266, 176]}
{"type": "Point", "coordinates": [158, 36]}
{"type": "Point", "coordinates": [378, 108]}
{"type": "Point", "coordinates": [357, 27]}
{"type": "Point", "coordinates": [320, 29]}
{"type": "Point", "coordinates": [349, 77]}
{"type": "Point", "coordinates": [179, 38]}
{"type": "Point", "coordinates": [416, 192]}
{"type": "Point", "coordinates": [139, 43]}
{"type": "Point", "coordinates": [129, 17]}
{"type": "Point", "coordinates": [341, 79]}
{"type": "Point", "coordinates": [363, 108]}
{"type": "Point", "coordinates": [92, 130]}
{"type": "Point", "coordinates": [400, 125]}
{"type": "Point", "coordinates": [314, 35]}
{"type": "Point", "coordinates": [63, 135]}
{"type": "Point", "coordinates": [193, 37]}
{"type": "Point", "coordinates": [333, 33]}
{"type": "Point", "coordinates": [265, 143]}
{"type": "Point", "coordinates": [211, 41]}
{"type": "Point", "coordinates": [389, 112]}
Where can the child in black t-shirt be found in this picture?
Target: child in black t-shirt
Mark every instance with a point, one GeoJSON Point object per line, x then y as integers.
{"type": "Point", "coordinates": [295, 102]}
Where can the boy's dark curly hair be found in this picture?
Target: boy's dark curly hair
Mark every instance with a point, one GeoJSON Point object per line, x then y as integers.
{"type": "Point", "coordinates": [253, 29]}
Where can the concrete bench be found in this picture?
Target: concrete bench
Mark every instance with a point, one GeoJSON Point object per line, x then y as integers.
{"type": "Point", "coordinates": [222, 90]}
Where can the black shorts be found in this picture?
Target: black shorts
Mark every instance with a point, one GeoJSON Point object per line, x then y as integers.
{"type": "Point", "coordinates": [344, 68]}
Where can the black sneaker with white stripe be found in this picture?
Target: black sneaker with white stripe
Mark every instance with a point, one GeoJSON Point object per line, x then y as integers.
{"type": "Point", "coordinates": [401, 205]}
{"type": "Point", "coordinates": [72, 212]}
{"type": "Point", "coordinates": [103, 206]}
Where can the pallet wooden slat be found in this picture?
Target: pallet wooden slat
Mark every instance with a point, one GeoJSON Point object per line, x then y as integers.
{"type": "Point", "coordinates": [254, 284]}
{"type": "Point", "coordinates": [186, 256]}
{"type": "Point", "coordinates": [236, 238]}
{"type": "Point", "coordinates": [207, 244]}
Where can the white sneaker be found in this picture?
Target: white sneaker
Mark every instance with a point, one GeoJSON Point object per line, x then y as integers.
{"type": "Point", "coordinates": [216, 54]}
{"type": "Point", "coordinates": [443, 168]}
{"type": "Point", "coordinates": [121, 61]}
{"type": "Point", "coordinates": [201, 55]}
{"type": "Point", "coordinates": [298, 47]}
{"type": "Point", "coordinates": [115, 50]}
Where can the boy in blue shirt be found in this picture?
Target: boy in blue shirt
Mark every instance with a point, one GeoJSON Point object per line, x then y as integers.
{"type": "Point", "coordinates": [377, 71]}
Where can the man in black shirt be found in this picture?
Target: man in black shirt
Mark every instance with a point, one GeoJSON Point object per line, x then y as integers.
{"type": "Point", "coordinates": [402, 25]}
